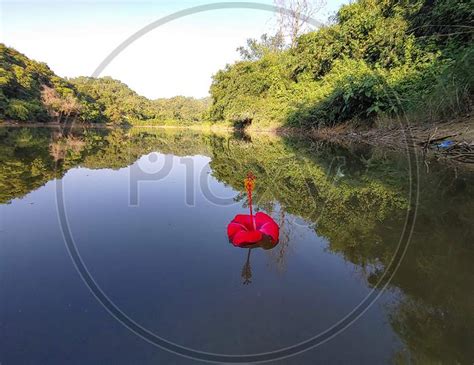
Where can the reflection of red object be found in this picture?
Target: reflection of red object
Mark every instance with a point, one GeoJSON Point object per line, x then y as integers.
{"type": "Point", "coordinates": [246, 229]}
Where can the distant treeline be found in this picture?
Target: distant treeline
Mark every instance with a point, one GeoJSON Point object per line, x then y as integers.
{"type": "Point", "coordinates": [31, 92]}
{"type": "Point", "coordinates": [376, 60]}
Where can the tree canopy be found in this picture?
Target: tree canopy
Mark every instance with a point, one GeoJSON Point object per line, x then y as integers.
{"type": "Point", "coordinates": [31, 92]}
{"type": "Point", "coordinates": [22, 86]}
{"type": "Point", "coordinates": [377, 58]}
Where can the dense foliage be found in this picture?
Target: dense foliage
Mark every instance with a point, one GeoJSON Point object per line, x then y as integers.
{"type": "Point", "coordinates": [30, 91]}
{"type": "Point", "coordinates": [180, 109]}
{"type": "Point", "coordinates": [119, 104]}
{"type": "Point", "coordinates": [378, 58]}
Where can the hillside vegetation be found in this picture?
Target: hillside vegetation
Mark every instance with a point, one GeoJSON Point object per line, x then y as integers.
{"type": "Point", "coordinates": [378, 58]}
{"type": "Point", "coordinates": [119, 103]}
{"type": "Point", "coordinates": [31, 92]}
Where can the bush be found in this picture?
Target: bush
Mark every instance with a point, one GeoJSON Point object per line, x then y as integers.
{"type": "Point", "coordinates": [379, 58]}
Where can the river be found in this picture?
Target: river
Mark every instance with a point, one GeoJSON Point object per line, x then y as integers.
{"type": "Point", "coordinates": [108, 233]}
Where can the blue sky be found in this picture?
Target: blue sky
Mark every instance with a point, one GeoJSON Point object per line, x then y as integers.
{"type": "Point", "coordinates": [179, 58]}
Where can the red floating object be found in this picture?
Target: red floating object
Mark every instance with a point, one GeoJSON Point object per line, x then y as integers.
{"type": "Point", "coordinates": [245, 230]}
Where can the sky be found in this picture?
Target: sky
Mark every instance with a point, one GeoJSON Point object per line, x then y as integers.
{"type": "Point", "coordinates": [179, 58]}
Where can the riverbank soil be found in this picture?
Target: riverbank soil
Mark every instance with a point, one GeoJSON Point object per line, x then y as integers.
{"type": "Point", "coordinates": [453, 140]}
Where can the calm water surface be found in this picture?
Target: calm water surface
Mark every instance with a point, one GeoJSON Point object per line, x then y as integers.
{"type": "Point", "coordinates": [154, 240]}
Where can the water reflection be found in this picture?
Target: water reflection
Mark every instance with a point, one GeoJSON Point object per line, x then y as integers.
{"type": "Point", "coordinates": [247, 270]}
{"type": "Point", "coordinates": [355, 198]}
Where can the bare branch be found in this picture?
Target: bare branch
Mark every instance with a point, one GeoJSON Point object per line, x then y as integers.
{"type": "Point", "coordinates": [294, 16]}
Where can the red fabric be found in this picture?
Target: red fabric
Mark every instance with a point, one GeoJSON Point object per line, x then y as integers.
{"type": "Point", "coordinates": [241, 231]}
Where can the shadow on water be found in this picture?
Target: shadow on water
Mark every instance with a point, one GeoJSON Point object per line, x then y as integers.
{"type": "Point", "coordinates": [353, 197]}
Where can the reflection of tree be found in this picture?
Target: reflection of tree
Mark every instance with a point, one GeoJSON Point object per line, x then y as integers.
{"type": "Point", "coordinates": [29, 157]}
{"type": "Point", "coordinates": [59, 148]}
{"type": "Point", "coordinates": [25, 161]}
{"type": "Point", "coordinates": [247, 270]}
{"type": "Point", "coordinates": [360, 213]}
{"type": "Point", "coordinates": [303, 184]}
{"type": "Point", "coordinates": [434, 314]}
{"type": "Point", "coordinates": [279, 254]}
{"type": "Point", "coordinates": [432, 334]}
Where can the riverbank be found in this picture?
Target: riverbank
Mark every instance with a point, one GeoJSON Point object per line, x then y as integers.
{"type": "Point", "coordinates": [177, 125]}
{"type": "Point", "coordinates": [451, 140]}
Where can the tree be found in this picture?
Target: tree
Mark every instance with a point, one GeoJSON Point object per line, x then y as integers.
{"type": "Point", "coordinates": [369, 63]}
{"type": "Point", "coordinates": [59, 106]}
{"type": "Point", "coordinates": [294, 16]}
{"type": "Point", "coordinates": [26, 84]}
{"type": "Point", "coordinates": [255, 49]}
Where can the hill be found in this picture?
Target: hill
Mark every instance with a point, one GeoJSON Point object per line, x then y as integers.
{"type": "Point", "coordinates": [31, 92]}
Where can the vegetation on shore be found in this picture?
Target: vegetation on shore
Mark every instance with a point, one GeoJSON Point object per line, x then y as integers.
{"type": "Point", "coordinates": [376, 60]}
{"type": "Point", "coordinates": [31, 92]}
{"type": "Point", "coordinates": [120, 104]}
